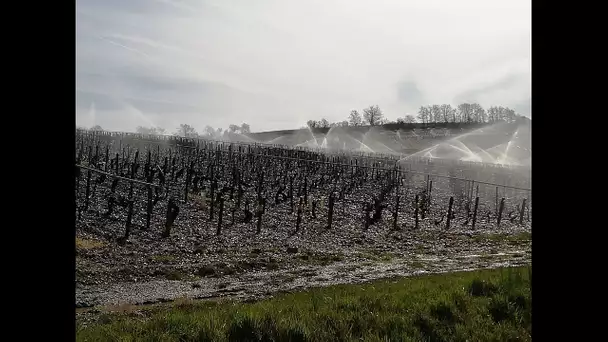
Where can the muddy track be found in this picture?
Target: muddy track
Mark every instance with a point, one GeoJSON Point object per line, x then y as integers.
{"type": "Point", "coordinates": [255, 285]}
{"type": "Point", "coordinates": [148, 271]}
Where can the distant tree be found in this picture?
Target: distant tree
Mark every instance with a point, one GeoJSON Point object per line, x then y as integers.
{"type": "Point", "coordinates": [245, 128]}
{"type": "Point", "coordinates": [186, 131]}
{"type": "Point", "coordinates": [409, 119]}
{"type": "Point", "coordinates": [424, 114]}
{"type": "Point", "coordinates": [510, 115]}
{"type": "Point", "coordinates": [446, 112]}
{"type": "Point", "coordinates": [323, 123]}
{"type": "Point", "coordinates": [502, 113]}
{"type": "Point", "coordinates": [209, 132]}
{"type": "Point", "coordinates": [339, 124]}
{"type": "Point", "coordinates": [492, 114]}
{"type": "Point", "coordinates": [150, 130]}
{"type": "Point", "coordinates": [479, 114]}
{"type": "Point", "coordinates": [311, 123]}
{"type": "Point", "coordinates": [218, 132]}
{"type": "Point", "coordinates": [464, 109]}
{"type": "Point", "coordinates": [96, 128]}
{"type": "Point", "coordinates": [354, 118]}
{"type": "Point", "coordinates": [435, 113]}
{"type": "Point", "coordinates": [373, 115]}
{"type": "Point", "coordinates": [233, 128]}
{"type": "Point", "coordinates": [143, 130]}
{"type": "Point", "coordinates": [454, 114]}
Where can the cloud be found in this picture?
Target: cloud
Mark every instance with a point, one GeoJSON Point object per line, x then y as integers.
{"type": "Point", "coordinates": [410, 95]}
{"type": "Point", "coordinates": [524, 107]}
{"type": "Point", "coordinates": [507, 91]}
{"type": "Point", "coordinates": [275, 64]}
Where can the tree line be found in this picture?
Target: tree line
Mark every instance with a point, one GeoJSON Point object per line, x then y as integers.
{"type": "Point", "coordinates": [445, 113]}
{"type": "Point", "coordinates": [372, 116]}
{"type": "Point", "coordinates": [188, 131]}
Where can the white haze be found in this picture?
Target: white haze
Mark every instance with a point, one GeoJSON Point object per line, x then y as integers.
{"type": "Point", "coordinates": [277, 63]}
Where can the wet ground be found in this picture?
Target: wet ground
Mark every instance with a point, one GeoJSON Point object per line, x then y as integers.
{"type": "Point", "coordinates": [240, 264]}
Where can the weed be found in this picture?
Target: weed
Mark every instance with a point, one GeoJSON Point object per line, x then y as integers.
{"type": "Point", "coordinates": [449, 307]}
{"type": "Point", "coordinates": [87, 244]}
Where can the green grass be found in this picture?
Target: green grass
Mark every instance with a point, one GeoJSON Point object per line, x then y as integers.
{"type": "Point", "coordinates": [318, 258]}
{"type": "Point", "coordinates": [375, 255]}
{"type": "Point", "coordinates": [517, 238]}
{"type": "Point", "coordinates": [87, 244]}
{"type": "Point", "coordinates": [486, 305]}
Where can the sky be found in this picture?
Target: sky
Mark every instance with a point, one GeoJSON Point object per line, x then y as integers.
{"type": "Point", "coordinates": [275, 64]}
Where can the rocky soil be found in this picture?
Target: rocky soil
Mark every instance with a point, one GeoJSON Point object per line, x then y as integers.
{"type": "Point", "coordinates": [240, 264]}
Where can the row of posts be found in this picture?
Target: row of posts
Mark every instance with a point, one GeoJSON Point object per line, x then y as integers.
{"type": "Point", "coordinates": [172, 208]}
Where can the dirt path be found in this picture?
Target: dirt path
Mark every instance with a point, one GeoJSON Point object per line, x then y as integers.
{"type": "Point", "coordinates": [257, 284]}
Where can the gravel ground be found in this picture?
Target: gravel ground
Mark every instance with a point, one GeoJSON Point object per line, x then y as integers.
{"type": "Point", "coordinates": [241, 264]}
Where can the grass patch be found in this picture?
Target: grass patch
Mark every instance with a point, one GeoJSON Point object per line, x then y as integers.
{"type": "Point", "coordinates": [174, 275]}
{"type": "Point", "coordinates": [417, 264]}
{"type": "Point", "coordinates": [485, 305]}
{"type": "Point", "coordinates": [322, 259]}
{"type": "Point", "coordinates": [378, 256]}
{"type": "Point", "coordinates": [487, 257]}
{"type": "Point", "coordinates": [87, 244]}
{"type": "Point", "coordinates": [516, 238]}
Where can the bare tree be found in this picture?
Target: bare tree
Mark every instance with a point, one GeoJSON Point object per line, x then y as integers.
{"type": "Point", "coordinates": [354, 118]}
{"type": "Point", "coordinates": [245, 128]}
{"type": "Point", "coordinates": [436, 113]}
{"type": "Point", "coordinates": [502, 113]}
{"type": "Point", "coordinates": [492, 114]}
{"type": "Point", "coordinates": [339, 124]}
{"type": "Point", "coordinates": [479, 114]}
{"type": "Point", "coordinates": [209, 131]}
{"type": "Point", "coordinates": [186, 131]}
{"type": "Point", "coordinates": [510, 115]}
{"type": "Point", "coordinates": [233, 128]}
{"type": "Point", "coordinates": [373, 115]}
{"type": "Point", "coordinates": [454, 115]}
{"type": "Point", "coordinates": [409, 119]}
{"type": "Point", "coordinates": [446, 112]}
{"type": "Point", "coordinates": [323, 123]}
{"type": "Point", "coordinates": [424, 114]}
{"type": "Point", "coordinates": [464, 109]}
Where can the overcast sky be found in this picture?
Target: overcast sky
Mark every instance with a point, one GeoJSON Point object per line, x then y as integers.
{"type": "Point", "coordinates": [277, 63]}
